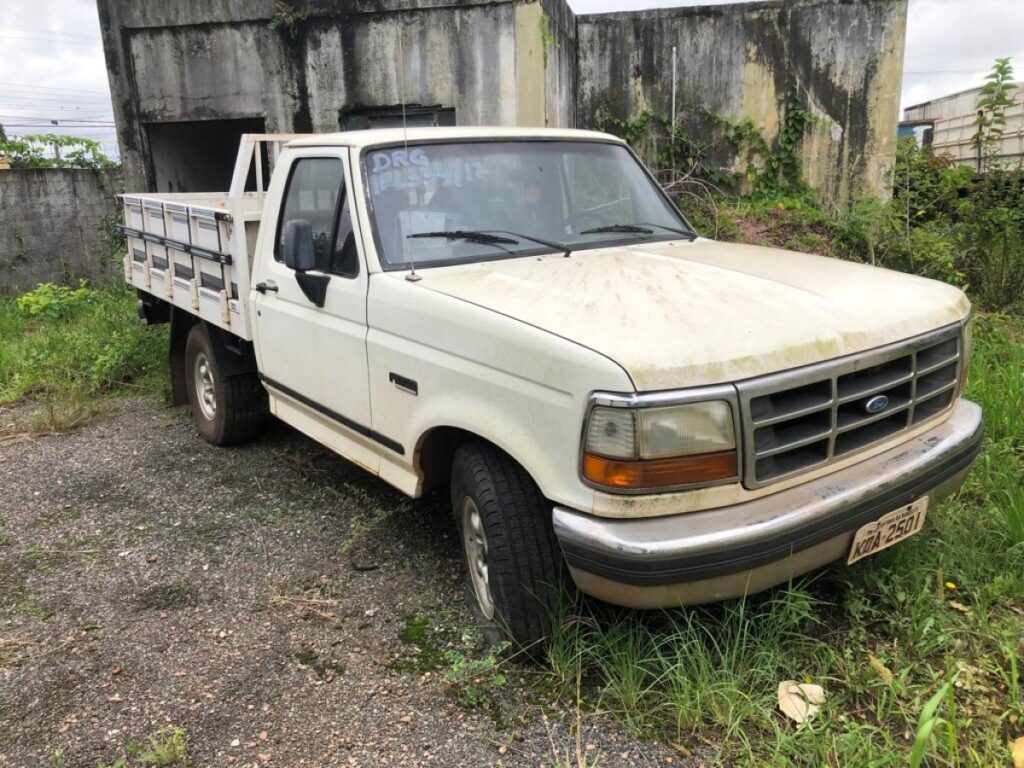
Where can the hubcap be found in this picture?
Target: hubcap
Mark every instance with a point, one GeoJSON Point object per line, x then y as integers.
{"type": "Point", "coordinates": [475, 541]}
{"type": "Point", "coordinates": [205, 390]}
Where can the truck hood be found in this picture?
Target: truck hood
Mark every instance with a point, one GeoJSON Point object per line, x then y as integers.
{"type": "Point", "coordinates": [679, 314]}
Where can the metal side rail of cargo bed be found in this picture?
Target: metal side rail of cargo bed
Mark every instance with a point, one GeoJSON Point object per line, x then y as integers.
{"type": "Point", "coordinates": [731, 551]}
{"type": "Point", "coordinates": [192, 249]}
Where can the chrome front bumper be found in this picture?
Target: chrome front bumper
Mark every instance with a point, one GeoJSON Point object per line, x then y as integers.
{"type": "Point", "coordinates": [727, 552]}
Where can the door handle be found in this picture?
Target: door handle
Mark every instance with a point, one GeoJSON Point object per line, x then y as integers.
{"type": "Point", "coordinates": [266, 285]}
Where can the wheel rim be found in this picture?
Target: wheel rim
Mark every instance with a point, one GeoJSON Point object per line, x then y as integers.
{"type": "Point", "coordinates": [206, 393]}
{"type": "Point", "coordinates": [475, 541]}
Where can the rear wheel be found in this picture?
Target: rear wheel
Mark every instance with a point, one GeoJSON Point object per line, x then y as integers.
{"type": "Point", "coordinates": [226, 409]}
{"type": "Point", "coordinates": [513, 560]}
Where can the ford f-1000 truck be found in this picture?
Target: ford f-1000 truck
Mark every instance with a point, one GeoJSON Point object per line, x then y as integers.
{"type": "Point", "coordinates": [524, 317]}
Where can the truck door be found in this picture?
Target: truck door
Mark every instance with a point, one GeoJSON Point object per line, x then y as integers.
{"type": "Point", "coordinates": [311, 318]}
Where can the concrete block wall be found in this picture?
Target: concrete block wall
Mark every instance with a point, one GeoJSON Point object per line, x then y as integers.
{"type": "Point", "coordinates": [49, 226]}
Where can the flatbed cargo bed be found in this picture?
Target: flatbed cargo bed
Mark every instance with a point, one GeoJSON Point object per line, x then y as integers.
{"type": "Point", "coordinates": [194, 249]}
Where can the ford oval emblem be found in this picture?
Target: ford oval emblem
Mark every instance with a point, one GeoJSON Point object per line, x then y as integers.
{"type": "Point", "coordinates": [876, 404]}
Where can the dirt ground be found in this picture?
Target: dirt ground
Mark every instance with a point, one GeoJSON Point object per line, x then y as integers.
{"type": "Point", "coordinates": [262, 598]}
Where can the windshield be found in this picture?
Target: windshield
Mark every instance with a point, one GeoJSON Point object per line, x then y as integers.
{"type": "Point", "coordinates": [497, 199]}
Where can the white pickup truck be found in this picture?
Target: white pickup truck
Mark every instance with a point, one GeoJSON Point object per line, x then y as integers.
{"type": "Point", "coordinates": [523, 316]}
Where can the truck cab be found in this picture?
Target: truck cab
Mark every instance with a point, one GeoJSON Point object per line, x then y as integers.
{"type": "Point", "coordinates": [524, 317]}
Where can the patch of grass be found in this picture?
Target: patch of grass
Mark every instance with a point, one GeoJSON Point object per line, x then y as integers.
{"type": "Point", "coordinates": [918, 648]}
{"type": "Point", "coordinates": [426, 644]}
{"type": "Point", "coordinates": [30, 607]}
{"type": "Point", "coordinates": [65, 349]}
{"type": "Point", "coordinates": [57, 517]}
{"type": "Point", "coordinates": [475, 679]}
{"type": "Point", "coordinates": [166, 747]}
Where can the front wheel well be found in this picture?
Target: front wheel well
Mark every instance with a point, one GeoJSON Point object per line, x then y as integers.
{"type": "Point", "coordinates": [435, 452]}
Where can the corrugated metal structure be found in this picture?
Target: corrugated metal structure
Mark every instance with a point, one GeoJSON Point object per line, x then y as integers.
{"type": "Point", "coordinates": [952, 120]}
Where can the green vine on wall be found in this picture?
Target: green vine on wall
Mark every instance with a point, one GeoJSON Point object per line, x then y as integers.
{"type": "Point", "coordinates": [771, 168]}
{"type": "Point", "coordinates": [287, 18]}
{"type": "Point", "coordinates": [547, 37]}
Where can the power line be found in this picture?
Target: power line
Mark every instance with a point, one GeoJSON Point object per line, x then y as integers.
{"type": "Point", "coordinates": [51, 125]}
{"type": "Point", "coordinates": [26, 94]}
{"type": "Point", "coordinates": [82, 119]}
{"type": "Point", "coordinates": [36, 86]}
{"type": "Point", "coordinates": [53, 106]}
{"type": "Point", "coordinates": [46, 30]}
{"type": "Point", "coordinates": [49, 40]}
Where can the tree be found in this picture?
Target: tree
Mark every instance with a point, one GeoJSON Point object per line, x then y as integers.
{"type": "Point", "coordinates": [68, 152]}
{"type": "Point", "coordinates": [995, 99]}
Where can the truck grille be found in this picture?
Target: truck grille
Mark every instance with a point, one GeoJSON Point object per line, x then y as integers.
{"type": "Point", "coordinates": [806, 418]}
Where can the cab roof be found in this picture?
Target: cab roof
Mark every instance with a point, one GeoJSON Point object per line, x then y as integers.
{"type": "Point", "coordinates": [397, 135]}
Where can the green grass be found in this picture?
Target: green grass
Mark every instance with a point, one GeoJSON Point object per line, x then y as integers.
{"type": "Point", "coordinates": [882, 637]}
{"type": "Point", "coordinates": [64, 350]}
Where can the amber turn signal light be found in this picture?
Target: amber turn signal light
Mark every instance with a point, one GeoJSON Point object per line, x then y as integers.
{"type": "Point", "coordinates": [653, 474]}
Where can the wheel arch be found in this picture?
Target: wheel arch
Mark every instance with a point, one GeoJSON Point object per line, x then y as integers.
{"type": "Point", "coordinates": [435, 451]}
{"type": "Point", "coordinates": [181, 325]}
{"type": "Point", "coordinates": [234, 356]}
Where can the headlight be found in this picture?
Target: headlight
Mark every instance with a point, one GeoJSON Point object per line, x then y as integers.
{"type": "Point", "coordinates": [659, 447]}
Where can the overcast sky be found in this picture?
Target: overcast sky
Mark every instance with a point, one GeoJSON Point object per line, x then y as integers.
{"type": "Point", "coordinates": [51, 59]}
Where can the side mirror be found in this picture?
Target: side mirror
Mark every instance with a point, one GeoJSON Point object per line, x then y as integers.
{"type": "Point", "coordinates": [297, 245]}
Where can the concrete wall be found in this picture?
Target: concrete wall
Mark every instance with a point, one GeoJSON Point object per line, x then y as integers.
{"type": "Point", "coordinates": [49, 225]}
{"type": "Point", "coordinates": [193, 63]}
{"type": "Point", "coordinates": [201, 60]}
{"type": "Point", "coordinates": [844, 57]}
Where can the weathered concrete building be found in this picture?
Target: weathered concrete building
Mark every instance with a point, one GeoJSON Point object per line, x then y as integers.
{"type": "Point", "coordinates": [842, 58]}
{"type": "Point", "coordinates": [188, 77]}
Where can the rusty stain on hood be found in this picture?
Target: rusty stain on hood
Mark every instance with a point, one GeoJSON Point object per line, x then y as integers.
{"type": "Point", "coordinates": [682, 314]}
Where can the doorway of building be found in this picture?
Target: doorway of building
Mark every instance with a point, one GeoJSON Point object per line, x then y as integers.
{"type": "Point", "coordinates": [196, 156]}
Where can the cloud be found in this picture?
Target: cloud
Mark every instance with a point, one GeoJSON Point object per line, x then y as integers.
{"type": "Point", "coordinates": [52, 68]}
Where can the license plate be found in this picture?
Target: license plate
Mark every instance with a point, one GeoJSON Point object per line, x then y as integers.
{"type": "Point", "coordinates": [888, 530]}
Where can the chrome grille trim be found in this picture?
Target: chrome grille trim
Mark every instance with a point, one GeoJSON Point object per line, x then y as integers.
{"type": "Point", "coordinates": [799, 420]}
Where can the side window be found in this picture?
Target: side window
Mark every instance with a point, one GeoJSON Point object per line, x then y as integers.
{"type": "Point", "coordinates": [344, 259]}
{"type": "Point", "coordinates": [314, 187]}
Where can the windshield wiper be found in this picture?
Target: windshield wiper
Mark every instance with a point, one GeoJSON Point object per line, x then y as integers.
{"type": "Point", "coordinates": [638, 229]}
{"type": "Point", "coordinates": [470, 235]}
{"type": "Point", "coordinates": [492, 237]}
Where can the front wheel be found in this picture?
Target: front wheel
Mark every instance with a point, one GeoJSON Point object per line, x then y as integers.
{"type": "Point", "coordinates": [513, 560]}
{"type": "Point", "coordinates": [226, 409]}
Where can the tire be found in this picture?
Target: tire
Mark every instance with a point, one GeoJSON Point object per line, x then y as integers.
{"type": "Point", "coordinates": [227, 410]}
{"type": "Point", "coordinates": [522, 568]}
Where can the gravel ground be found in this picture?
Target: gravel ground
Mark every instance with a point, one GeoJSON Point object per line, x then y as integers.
{"type": "Point", "coordinates": [260, 598]}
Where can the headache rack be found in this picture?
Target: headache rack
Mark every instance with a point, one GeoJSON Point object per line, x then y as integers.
{"type": "Point", "coordinates": [194, 249]}
{"type": "Point", "coordinates": [799, 420]}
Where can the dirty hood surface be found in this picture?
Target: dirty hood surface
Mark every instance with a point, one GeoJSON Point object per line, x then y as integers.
{"type": "Point", "coordinates": [682, 314]}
